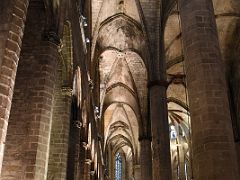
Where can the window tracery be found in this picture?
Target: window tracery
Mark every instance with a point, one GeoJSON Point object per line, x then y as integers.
{"type": "Point", "coordinates": [118, 167]}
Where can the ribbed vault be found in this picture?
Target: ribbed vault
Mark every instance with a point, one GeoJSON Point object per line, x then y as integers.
{"type": "Point", "coordinates": [120, 53]}
{"type": "Point", "coordinates": [121, 32]}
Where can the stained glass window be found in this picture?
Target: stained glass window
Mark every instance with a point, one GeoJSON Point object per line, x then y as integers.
{"type": "Point", "coordinates": [118, 167]}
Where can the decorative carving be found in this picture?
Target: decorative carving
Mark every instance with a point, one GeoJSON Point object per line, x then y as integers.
{"type": "Point", "coordinates": [67, 91]}
{"type": "Point", "coordinates": [77, 124]}
{"type": "Point", "coordinates": [91, 84]}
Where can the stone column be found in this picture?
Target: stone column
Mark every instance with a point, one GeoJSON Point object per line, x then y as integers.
{"type": "Point", "coordinates": [12, 23]}
{"type": "Point", "coordinates": [75, 147]}
{"type": "Point", "coordinates": [110, 163]}
{"type": "Point", "coordinates": [28, 137]}
{"type": "Point", "coordinates": [160, 131]}
{"type": "Point", "coordinates": [146, 158]}
{"type": "Point", "coordinates": [80, 161]}
{"type": "Point", "coordinates": [181, 161]}
{"type": "Point", "coordinates": [214, 156]}
{"type": "Point", "coordinates": [137, 172]}
{"type": "Point", "coordinates": [87, 169]}
{"type": "Point", "coordinates": [92, 175]}
{"type": "Point", "coordinates": [57, 165]}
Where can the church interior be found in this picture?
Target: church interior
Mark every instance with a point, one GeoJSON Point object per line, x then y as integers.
{"type": "Point", "coordinates": [119, 89]}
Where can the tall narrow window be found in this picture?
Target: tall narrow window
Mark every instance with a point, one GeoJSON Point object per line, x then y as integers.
{"type": "Point", "coordinates": [118, 167]}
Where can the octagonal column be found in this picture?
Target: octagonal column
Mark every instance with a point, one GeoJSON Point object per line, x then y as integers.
{"type": "Point", "coordinates": [160, 131]}
{"type": "Point", "coordinates": [214, 156]}
{"type": "Point", "coordinates": [146, 158]}
{"type": "Point", "coordinates": [137, 173]}
{"type": "Point", "coordinates": [12, 23]}
{"type": "Point", "coordinates": [87, 169]}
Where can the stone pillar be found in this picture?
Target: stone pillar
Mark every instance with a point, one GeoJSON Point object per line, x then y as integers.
{"type": "Point", "coordinates": [28, 136]}
{"type": "Point", "coordinates": [101, 170]}
{"type": "Point", "coordinates": [146, 158]}
{"type": "Point", "coordinates": [87, 169]}
{"type": "Point", "coordinates": [57, 166]}
{"type": "Point", "coordinates": [75, 145]}
{"type": "Point", "coordinates": [111, 164]}
{"type": "Point", "coordinates": [238, 154]}
{"type": "Point", "coordinates": [92, 175]}
{"type": "Point", "coordinates": [137, 172]}
{"type": "Point", "coordinates": [82, 159]}
{"type": "Point", "coordinates": [87, 163]}
{"type": "Point", "coordinates": [214, 156]}
{"type": "Point", "coordinates": [160, 131]}
{"type": "Point", "coordinates": [12, 23]}
{"type": "Point", "coordinates": [181, 161]}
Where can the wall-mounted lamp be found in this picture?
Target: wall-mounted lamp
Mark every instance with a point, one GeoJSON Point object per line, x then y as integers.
{"type": "Point", "coordinates": [83, 17]}
{"type": "Point", "coordinates": [87, 40]}
{"type": "Point", "coordinates": [96, 109]}
{"type": "Point", "coordinates": [85, 24]}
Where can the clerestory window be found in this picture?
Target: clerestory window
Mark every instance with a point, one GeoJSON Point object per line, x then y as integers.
{"type": "Point", "coordinates": [118, 167]}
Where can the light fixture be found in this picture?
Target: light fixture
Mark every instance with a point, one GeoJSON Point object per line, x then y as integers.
{"type": "Point", "coordinates": [83, 17]}
{"type": "Point", "coordinates": [85, 24]}
{"type": "Point", "coordinates": [96, 109]}
{"type": "Point", "coordinates": [87, 40]}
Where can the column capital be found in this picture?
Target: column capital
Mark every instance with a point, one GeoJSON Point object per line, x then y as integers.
{"type": "Point", "coordinates": [152, 83]}
{"type": "Point", "coordinates": [92, 173]}
{"type": "Point", "coordinates": [88, 161]}
{"type": "Point", "coordinates": [137, 166]}
{"type": "Point", "coordinates": [67, 91]}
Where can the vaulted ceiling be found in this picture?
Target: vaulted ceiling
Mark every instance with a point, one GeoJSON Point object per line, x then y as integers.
{"type": "Point", "coordinates": [119, 34]}
{"type": "Point", "coordinates": [121, 58]}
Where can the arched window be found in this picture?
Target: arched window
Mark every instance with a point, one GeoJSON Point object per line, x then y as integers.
{"type": "Point", "coordinates": [118, 167]}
